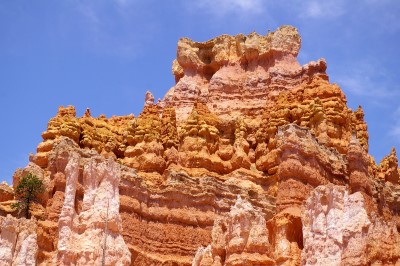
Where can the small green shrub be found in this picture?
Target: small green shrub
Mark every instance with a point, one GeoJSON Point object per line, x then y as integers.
{"type": "Point", "coordinates": [29, 187]}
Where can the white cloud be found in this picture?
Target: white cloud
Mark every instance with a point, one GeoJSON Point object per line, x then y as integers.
{"type": "Point", "coordinates": [223, 7]}
{"type": "Point", "coordinates": [124, 3]}
{"type": "Point", "coordinates": [88, 12]}
{"type": "Point", "coordinates": [321, 9]}
{"type": "Point", "coordinates": [116, 33]}
{"type": "Point", "coordinates": [384, 13]}
{"type": "Point", "coordinates": [360, 85]}
{"type": "Point", "coordinates": [395, 129]}
{"type": "Point", "coordinates": [368, 79]}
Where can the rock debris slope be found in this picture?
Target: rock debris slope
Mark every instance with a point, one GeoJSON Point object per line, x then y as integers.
{"type": "Point", "coordinates": [250, 159]}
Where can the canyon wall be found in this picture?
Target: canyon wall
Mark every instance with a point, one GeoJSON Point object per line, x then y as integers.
{"type": "Point", "coordinates": [18, 241]}
{"type": "Point", "coordinates": [250, 159]}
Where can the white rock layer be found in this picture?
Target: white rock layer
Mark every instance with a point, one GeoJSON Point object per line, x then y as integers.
{"type": "Point", "coordinates": [238, 238]}
{"type": "Point", "coordinates": [18, 241]}
{"type": "Point", "coordinates": [82, 228]}
{"type": "Point", "coordinates": [335, 227]}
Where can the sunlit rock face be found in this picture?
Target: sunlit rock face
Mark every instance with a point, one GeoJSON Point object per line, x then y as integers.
{"type": "Point", "coordinates": [239, 238]}
{"type": "Point", "coordinates": [335, 227]}
{"type": "Point", "coordinates": [234, 75]}
{"type": "Point", "coordinates": [89, 228]}
{"type": "Point", "coordinates": [249, 159]}
{"type": "Point", "coordinates": [337, 230]}
{"type": "Point", "coordinates": [242, 237]}
{"type": "Point", "coordinates": [18, 241]}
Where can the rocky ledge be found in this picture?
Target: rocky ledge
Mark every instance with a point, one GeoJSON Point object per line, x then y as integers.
{"type": "Point", "coordinates": [250, 159]}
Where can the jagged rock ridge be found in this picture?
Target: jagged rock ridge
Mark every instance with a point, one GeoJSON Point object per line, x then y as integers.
{"type": "Point", "coordinates": [250, 159]}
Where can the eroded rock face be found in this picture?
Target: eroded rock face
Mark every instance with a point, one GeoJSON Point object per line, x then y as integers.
{"type": "Point", "coordinates": [166, 224]}
{"type": "Point", "coordinates": [18, 241]}
{"type": "Point", "coordinates": [338, 231]}
{"type": "Point", "coordinates": [383, 242]}
{"type": "Point", "coordinates": [300, 163]}
{"type": "Point", "coordinates": [243, 237]}
{"type": "Point", "coordinates": [90, 232]}
{"type": "Point", "coordinates": [286, 236]}
{"type": "Point", "coordinates": [237, 69]}
{"type": "Point", "coordinates": [239, 238]}
{"type": "Point", "coordinates": [335, 226]}
{"type": "Point", "coordinates": [6, 192]}
{"type": "Point", "coordinates": [243, 119]}
{"type": "Point", "coordinates": [389, 168]}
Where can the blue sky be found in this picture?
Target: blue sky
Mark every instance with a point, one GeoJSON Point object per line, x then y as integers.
{"type": "Point", "coordinates": [106, 54]}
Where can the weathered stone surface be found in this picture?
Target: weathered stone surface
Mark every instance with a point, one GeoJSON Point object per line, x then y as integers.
{"type": "Point", "coordinates": [320, 107]}
{"type": "Point", "coordinates": [300, 163]}
{"type": "Point", "coordinates": [286, 236]}
{"type": "Point", "coordinates": [145, 150]}
{"type": "Point", "coordinates": [338, 231]}
{"type": "Point", "coordinates": [243, 237]}
{"type": "Point", "coordinates": [105, 135]}
{"type": "Point", "coordinates": [18, 241]}
{"type": "Point", "coordinates": [236, 69]}
{"type": "Point", "coordinates": [335, 225]}
{"type": "Point", "coordinates": [239, 238]}
{"type": "Point", "coordinates": [90, 232]}
{"type": "Point", "coordinates": [358, 162]}
{"type": "Point", "coordinates": [383, 242]}
{"type": "Point", "coordinates": [169, 222]}
{"type": "Point", "coordinates": [389, 168]}
{"type": "Point", "coordinates": [6, 192]}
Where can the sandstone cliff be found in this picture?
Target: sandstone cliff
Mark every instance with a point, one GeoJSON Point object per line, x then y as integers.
{"type": "Point", "coordinates": [250, 159]}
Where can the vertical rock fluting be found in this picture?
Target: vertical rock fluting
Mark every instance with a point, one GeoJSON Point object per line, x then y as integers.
{"type": "Point", "coordinates": [18, 241]}
{"type": "Point", "coordinates": [239, 238]}
{"type": "Point", "coordinates": [338, 231]}
{"type": "Point", "coordinates": [232, 67]}
{"type": "Point", "coordinates": [243, 237]}
{"type": "Point", "coordinates": [300, 163]}
{"type": "Point", "coordinates": [286, 236]}
{"type": "Point", "coordinates": [335, 227]}
{"type": "Point", "coordinates": [90, 230]}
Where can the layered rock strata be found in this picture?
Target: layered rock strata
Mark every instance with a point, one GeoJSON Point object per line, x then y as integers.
{"type": "Point", "coordinates": [250, 159]}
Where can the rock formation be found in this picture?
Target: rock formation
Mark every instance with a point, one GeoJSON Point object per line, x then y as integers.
{"type": "Point", "coordinates": [250, 159]}
{"type": "Point", "coordinates": [335, 227]}
{"type": "Point", "coordinates": [240, 238]}
{"type": "Point", "coordinates": [18, 241]}
{"type": "Point", "coordinates": [337, 230]}
{"type": "Point", "coordinates": [89, 225]}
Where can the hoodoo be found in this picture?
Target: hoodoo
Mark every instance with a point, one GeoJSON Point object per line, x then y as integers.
{"type": "Point", "coordinates": [250, 159]}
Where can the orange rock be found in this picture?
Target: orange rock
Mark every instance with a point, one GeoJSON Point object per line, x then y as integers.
{"type": "Point", "coordinates": [301, 163]}
{"type": "Point", "coordinates": [358, 162]}
{"type": "Point", "coordinates": [6, 192]}
{"type": "Point", "coordinates": [144, 145]}
{"type": "Point", "coordinates": [389, 168]}
{"type": "Point", "coordinates": [287, 236]}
